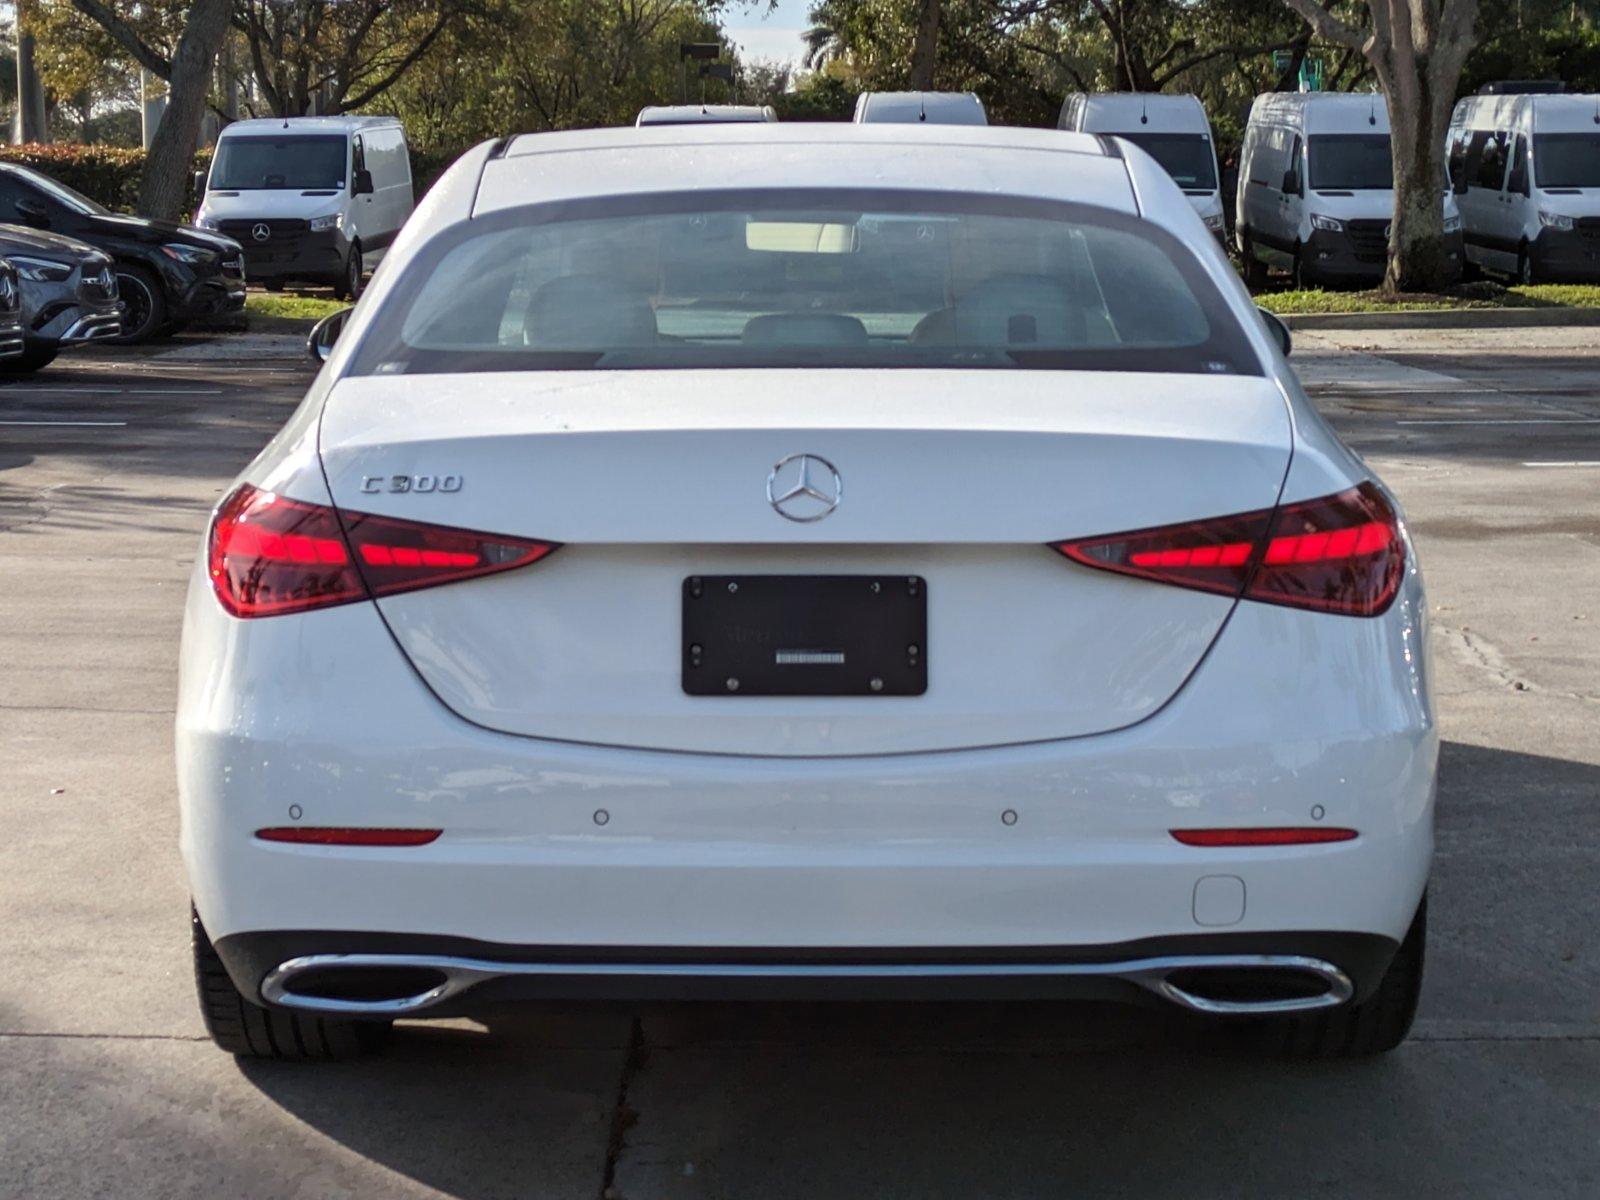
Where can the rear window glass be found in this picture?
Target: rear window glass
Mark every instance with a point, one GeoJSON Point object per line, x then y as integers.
{"type": "Point", "coordinates": [805, 279]}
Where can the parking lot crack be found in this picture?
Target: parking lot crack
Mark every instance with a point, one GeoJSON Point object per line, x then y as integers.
{"type": "Point", "coordinates": [623, 1116]}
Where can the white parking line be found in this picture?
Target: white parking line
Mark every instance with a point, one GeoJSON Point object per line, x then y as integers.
{"type": "Point", "coordinates": [1574, 463]}
{"type": "Point", "coordinates": [77, 424]}
{"type": "Point", "coordinates": [1506, 421]}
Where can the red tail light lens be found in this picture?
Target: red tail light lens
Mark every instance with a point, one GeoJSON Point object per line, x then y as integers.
{"type": "Point", "coordinates": [271, 555]}
{"type": "Point", "coordinates": [329, 835]}
{"type": "Point", "coordinates": [1340, 554]}
{"type": "Point", "coordinates": [1309, 835]}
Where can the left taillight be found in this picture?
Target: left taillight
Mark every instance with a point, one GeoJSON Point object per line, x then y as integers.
{"type": "Point", "coordinates": [270, 555]}
{"type": "Point", "coordinates": [1338, 554]}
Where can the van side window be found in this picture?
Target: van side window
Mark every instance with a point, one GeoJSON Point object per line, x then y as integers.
{"type": "Point", "coordinates": [1517, 181]}
{"type": "Point", "coordinates": [1459, 179]}
{"type": "Point", "coordinates": [1491, 170]}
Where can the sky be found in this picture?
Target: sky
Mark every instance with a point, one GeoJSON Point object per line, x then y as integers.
{"type": "Point", "coordinates": [771, 36]}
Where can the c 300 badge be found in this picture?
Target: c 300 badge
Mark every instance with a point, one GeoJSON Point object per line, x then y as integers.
{"type": "Point", "coordinates": [410, 483]}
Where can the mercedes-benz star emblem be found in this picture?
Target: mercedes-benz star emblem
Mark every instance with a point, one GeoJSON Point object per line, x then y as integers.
{"type": "Point", "coordinates": [261, 231]}
{"type": "Point", "coordinates": [804, 487]}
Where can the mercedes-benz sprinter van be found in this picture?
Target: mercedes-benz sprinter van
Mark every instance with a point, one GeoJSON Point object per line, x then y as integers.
{"type": "Point", "coordinates": [1316, 189]}
{"type": "Point", "coordinates": [1174, 130]}
{"type": "Point", "coordinates": [913, 108]}
{"type": "Point", "coordinates": [1526, 172]}
{"type": "Point", "coordinates": [311, 199]}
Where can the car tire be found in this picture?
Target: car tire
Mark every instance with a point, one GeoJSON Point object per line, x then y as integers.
{"type": "Point", "coordinates": [248, 1030]}
{"type": "Point", "coordinates": [1375, 1025]}
{"type": "Point", "coordinates": [1255, 271]}
{"type": "Point", "coordinates": [349, 286]}
{"type": "Point", "coordinates": [1526, 274]}
{"type": "Point", "coordinates": [144, 308]}
{"type": "Point", "coordinates": [1299, 278]}
{"type": "Point", "coordinates": [34, 357]}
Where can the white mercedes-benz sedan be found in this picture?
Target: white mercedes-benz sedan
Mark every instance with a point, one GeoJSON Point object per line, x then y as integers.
{"type": "Point", "coordinates": [806, 561]}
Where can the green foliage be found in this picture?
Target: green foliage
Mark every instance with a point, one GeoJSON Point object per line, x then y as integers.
{"type": "Point", "coordinates": [109, 174]}
{"type": "Point", "coordinates": [1472, 295]}
{"type": "Point", "coordinates": [288, 307]}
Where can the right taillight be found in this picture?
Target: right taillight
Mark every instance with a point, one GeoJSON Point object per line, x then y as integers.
{"type": "Point", "coordinates": [1339, 554]}
{"type": "Point", "coordinates": [271, 555]}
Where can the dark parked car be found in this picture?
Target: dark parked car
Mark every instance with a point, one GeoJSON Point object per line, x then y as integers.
{"type": "Point", "coordinates": [168, 274]}
{"type": "Point", "coordinates": [69, 294]}
{"type": "Point", "coordinates": [11, 322]}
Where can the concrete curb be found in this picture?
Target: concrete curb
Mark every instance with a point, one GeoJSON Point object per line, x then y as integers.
{"type": "Point", "coordinates": [1447, 318]}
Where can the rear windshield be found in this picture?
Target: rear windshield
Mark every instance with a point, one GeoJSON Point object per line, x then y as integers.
{"type": "Point", "coordinates": [804, 279]}
{"type": "Point", "coordinates": [1566, 160]}
{"type": "Point", "coordinates": [1187, 157]}
{"type": "Point", "coordinates": [268, 163]}
{"type": "Point", "coordinates": [1351, 162]}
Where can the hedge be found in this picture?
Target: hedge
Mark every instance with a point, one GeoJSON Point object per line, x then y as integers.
{"type": "Point", "coordinates": [110, 174]}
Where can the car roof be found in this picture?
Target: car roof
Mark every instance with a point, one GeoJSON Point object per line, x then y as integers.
{"type": "Point", "coordinates": [1044, 163]}
{"type": "Point", "coordinates": [953, 108]}
{"type": "Point", "coordinates": [1123, 109]}
{"type": "Point", "coordinates": [266, 125]}
{"type": "Point", "coordinates": [703, 114]}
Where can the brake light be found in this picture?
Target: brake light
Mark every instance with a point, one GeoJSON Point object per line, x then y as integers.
{"type": "Point", "coordinates": [1340, 554]}
{"type": "Point", "coordinates": [1307, 835]}
{"type": "Point", "coordinates": [271, 555]}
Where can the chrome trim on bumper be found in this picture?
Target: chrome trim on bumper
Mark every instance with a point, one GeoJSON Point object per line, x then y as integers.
{"type": "Point", "coordinates": [460, 974]}
{"type": "Point", "coordinates": [92, 328]}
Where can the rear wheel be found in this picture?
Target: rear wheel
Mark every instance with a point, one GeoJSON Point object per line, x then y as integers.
{"type": "Point", "coordinates": [1375, 1025]}
{"type": "Point", "coordinates": [1525, 271]}
{"type": "Point", "coordinates": [1297, 270]}
{"type": "Point", "coordinates": [251, 1031]}
{"type": "Point", "coordinates": [144, 309]}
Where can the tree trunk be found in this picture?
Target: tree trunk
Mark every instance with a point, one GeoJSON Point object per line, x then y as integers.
{"type": "Point", "coordinates": [926, 50]}
{"type": "Point", "coordinates": [164, 185]}
{"type": "Point", "coordinates": [1418, 258]}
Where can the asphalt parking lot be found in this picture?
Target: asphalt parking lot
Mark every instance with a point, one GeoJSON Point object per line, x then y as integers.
{"type": "Point", "coordinates": [109, 463]}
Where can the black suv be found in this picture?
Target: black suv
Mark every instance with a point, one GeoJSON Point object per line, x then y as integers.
{"type": "Point", "coordinates": [168, 274]}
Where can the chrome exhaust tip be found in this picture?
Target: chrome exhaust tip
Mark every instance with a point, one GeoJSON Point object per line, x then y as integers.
{"type": "Point", "coordinates": [398, 985]}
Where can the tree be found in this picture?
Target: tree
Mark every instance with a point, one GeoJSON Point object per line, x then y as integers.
{"type": "Point", "coordinates": [1417, 49]}
{"type": "Point", "coordinates": [164, 183]}
{"type": "Point", "coordinates": [925, 49]}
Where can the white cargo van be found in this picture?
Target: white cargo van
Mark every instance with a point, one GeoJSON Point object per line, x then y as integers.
{"type": "Point", "coordinates": [704, 114]}
{"type": "Point", "coordinates": [1526, 172]}
{"type": "Point", "coordinates": [311, 199]}
{"type": "Point", "coordinates": [1173, 130]}
{"type": "Point", "coordinates": [912, 108]}
{"type": "Point", "coordinates": [1316, 188]}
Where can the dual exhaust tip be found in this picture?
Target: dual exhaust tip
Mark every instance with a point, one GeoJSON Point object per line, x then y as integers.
{"type": "Point", "coordinates": [403, 985]}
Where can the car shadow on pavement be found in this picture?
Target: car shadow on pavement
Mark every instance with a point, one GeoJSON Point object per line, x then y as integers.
{"type": "Point", "coordinates": [1026, 1100]}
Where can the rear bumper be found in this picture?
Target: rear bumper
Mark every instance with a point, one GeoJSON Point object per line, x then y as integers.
{"type": "Point", "coordinates": [386, 975]}
{"type": "Point", "coordinates": [606, 854]}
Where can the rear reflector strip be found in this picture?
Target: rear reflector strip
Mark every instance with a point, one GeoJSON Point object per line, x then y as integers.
{"type": "Point", "coordinates": [1270, 836]}
{"type": "Point", "coordinates": [328, 835]}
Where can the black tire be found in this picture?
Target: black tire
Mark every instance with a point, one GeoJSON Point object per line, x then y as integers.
{"type": "Point", "coordinates": [144, 308]}
{"type": "Point", "coordinates": [1255, 271]}
{"type": "Point", "coordinates": [1375, 1025]}
{"type": "Point", "coordinates": [34, 357]}
{"type": "Point", "coordinates": [1299, 277]}
{"type": "Point", "coordinates": [250, 1031]}
{"type": "Point", "coordinates": [349, 286]}
{"type": "Point", "coordinates": [1526, 275]}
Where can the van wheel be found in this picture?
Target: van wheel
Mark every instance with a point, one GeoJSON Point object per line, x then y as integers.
{"type": "Point", "coordinates": [1375, 1025]}
{"type": "Point", "coordinates": [349, 287]}
{"type": "Point", "coordinates": [1297, 270]}
{"type": "Point", "coordinates": [251, 1031]}
{"type": "Point", "coordinates": [144, 308]}
{"type": "Point", "coordinates": [1255, 271]}
{"type": "Point", "coordinates": [1525, 271]}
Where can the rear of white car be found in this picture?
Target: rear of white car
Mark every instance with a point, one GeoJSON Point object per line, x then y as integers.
{"type": "Point", "coordinates": [676, 590]}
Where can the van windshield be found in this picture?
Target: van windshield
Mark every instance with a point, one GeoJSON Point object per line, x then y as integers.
{"type": "Point", "coordinates": [1566, 160]}
{"type": "Point", "coordinates": [1187, 157]}
{"type": "Point", "coordinates": [1350, 162]}
{"type": "Point", "coordinates": [805, 278]}
{"type": "Point", "coordinates": [270, 163]}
